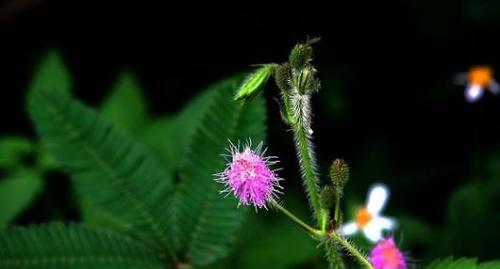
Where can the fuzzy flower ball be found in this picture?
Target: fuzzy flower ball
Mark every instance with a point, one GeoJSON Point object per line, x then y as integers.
{"type": "Point", "coordinates": [249, 177]}
{"type": "Point", "coordinates": [386, 255]}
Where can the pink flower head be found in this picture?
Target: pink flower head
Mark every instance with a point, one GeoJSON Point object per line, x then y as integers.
{"type": "Point", "coordinates": [249, 177]}
{"type": "Point", "coordinates": [386, 255]}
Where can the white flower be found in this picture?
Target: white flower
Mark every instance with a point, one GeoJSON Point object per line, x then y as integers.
{"type": "Point", "coordinates": [369, 218]}
{"type": "Point", "coordinates": [478, 79]}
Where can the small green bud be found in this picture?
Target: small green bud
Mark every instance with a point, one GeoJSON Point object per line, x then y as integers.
{"type": "Point", "coordinates": [300, 55]}
{"type": "Point", "coordinates": [327, 197]}
{"type": "Point", "coordinates": [282, 76]}
{"type": "Point", "coordinates": [254, 83]}
{"type": "Point", "coordinates": [305, 80]}
{"type": "Point", "coordinates": [339, 174]}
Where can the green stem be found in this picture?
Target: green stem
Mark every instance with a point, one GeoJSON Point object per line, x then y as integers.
{"type": "Point", "coordinates": [332, 255]}
{"type": "Point", "coordinates": [337, 208]}
{"type": "Point", "coordinates": [354, 251]}
{"type": "Point", "coordinates": [297, 220]}
{"type": "Point", "coordinates": [324, 219]}
{"type": "Point", "coordinates": [307, 165]}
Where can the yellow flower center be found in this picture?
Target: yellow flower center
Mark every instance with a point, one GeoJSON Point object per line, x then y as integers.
{"type": "Point", "coordinates": [363, 217]}
{"type": "Point", "coordinates": [480, 75]}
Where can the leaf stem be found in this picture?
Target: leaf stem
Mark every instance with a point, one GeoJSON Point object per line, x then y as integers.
{"type": "Point", "coordinates": [297, 220]}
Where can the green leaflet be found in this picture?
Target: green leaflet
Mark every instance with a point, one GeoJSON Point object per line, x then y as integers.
{"type": "Point", "coordinates": [13, 149]}
{"type": "Point", "coordinates": [462, 263]}
{"type": "Point", "coordinates": [168, 137]}
{"type": "Point", "coordinates": [203, 221]}
{"type": "Point", "coordinates": [125, 106]}
{"type": "Point", "coordinates": [472, 205]}
{"type": "Point", "coordinates": [254, 83]}
{"type": "Point", "coordinates": [54, 246]}
{"type": "Point", "coordinates": [110, 171]}
{"type": "Point", "coordinates": [17, 191]}
{"type": "Point", "coordinates": [51, 75]}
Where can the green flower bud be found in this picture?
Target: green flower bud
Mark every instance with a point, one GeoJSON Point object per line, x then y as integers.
{"type": "Point", "coordinates": [305, 80]}
{"type": "Point", "coordinates": [254, 83]}
{"type": "Point", "coordinates": [327, 197]}
{"type": "Point", "coordinates": [300, 55]}
{"type": "Point", "coordinates": [283, 76]}
{"type": "Point", "coordinates": [339, 174]}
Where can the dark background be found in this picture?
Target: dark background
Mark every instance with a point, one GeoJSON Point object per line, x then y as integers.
{"type": "Point", "coordinates": [389, 104]}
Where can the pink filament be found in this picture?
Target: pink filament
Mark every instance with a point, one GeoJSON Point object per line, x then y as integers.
{"type": "Point", "coordinates": [250, 178]}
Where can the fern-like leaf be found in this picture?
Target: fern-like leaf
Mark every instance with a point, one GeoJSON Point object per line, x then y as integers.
{"type": "Point", "coordinates": [462, 263]}
{"type": "Point", "coordinates": [168, 137]}
{"type": "Point", "coordinates": [17, 192]}
{"type": "Point", "coordinates": [51, 75]}
{"type": "Point", "coordinates": [54, 246]}
{"type": "Point", "coordinates": [204, 221]}
{"type": "Point", "coordinates": [125, 106]}
{"type": "Point", "coordinates": [110, 171]}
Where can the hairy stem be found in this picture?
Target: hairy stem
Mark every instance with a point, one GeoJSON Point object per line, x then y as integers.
{"type": "Point", "coordinates": [337, 208]}
{"type": "Point", "coordinates": [354, 252]}
{"type": "Point", "coordinates": [307, 165]}
{"type": "Point", "coordinates": [297, 220]}
{"type": "Point", "coordinates": [324, 219]}
{"type": "Point", "coordinates": [333, 256]}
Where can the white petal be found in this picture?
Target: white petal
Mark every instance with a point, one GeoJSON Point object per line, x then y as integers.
{"type": "Point", "coordinates": [384, 223]}
{"type": "Point", "coordinates": [377, 198]}
{"type": "Point", "coordinates": [494, 87]}
{"type": "Point", "coordinates": [473, 92]}
{"type": "Point", "coordinates": [349, 228]}
{"type": "Point", "coordinates": [373, 231]}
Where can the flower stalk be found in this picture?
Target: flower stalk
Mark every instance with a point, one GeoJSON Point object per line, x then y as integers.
{"type": "Point", "coordinates": [314, 232]}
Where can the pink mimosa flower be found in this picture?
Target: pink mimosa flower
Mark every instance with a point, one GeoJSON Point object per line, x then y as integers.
{"type": "Point", "coordinates": [386, 255]}
{"type": "Point", "coordinates": [249, 177]}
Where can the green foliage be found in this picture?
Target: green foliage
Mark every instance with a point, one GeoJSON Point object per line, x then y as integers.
{"type": "Point", "coordinates": [51, 75]}
{"type": "Point", "coordinates": [473, 206]}
{"type": "Point", "coordinates": [125, 106]}
{"type": "Point", "coordinates": [278, 246]}
{"type": "Point", "coordinates": [462, 263]}
{"type": "Point", "coordinates": [17, 191]}
{"type": "Point", "coordinates": [121, 185]}
{"type": "Point", "coordinates": [169, 137]}
{"type": "Point", "coordinates": [110, 171]}
{"type": "Point", "coordinates": [12, 150]}
{"type": "Point", "coordinates": [204, 223]}
{"type": "Point", "coordinates": [254, 82]}
{"type": "Point", "coordinates": [270, 241]}
{"type": "Point", "coordinates": [72, 246]}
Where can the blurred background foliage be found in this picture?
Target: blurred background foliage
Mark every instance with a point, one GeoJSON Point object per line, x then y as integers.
{"type": "Point", "coordinates": [388, 106]}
